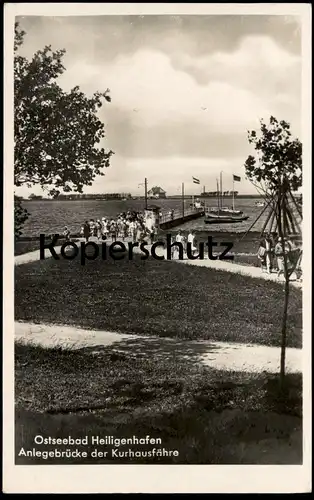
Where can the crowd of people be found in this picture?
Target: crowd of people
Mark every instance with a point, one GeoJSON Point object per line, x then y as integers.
{"type": "Point", "coordinates": [273, 251]}
{"type": "Point", "coordinates": [126, 225]}
{"type": "Point", "coordinates": [129, 226]}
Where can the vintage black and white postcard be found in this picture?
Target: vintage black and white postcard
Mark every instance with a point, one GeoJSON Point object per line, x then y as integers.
{"type": "Point", "coordinates": [157, 248]}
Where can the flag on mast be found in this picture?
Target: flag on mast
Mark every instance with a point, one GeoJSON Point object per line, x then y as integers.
{"type": "Point", "coordinates": [195, 180]}
{"type": "Point", "coordinates": [236, 178]}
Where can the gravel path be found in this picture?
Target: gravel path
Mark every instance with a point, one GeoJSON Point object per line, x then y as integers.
{"type": "Point", "coordinates": [223, 265]}
{"type": "Point", "coordinates": [218, 355]}
{"type": "Point", "coordinates": [231, 267]}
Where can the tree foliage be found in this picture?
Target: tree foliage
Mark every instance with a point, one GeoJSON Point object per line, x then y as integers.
{"type": "Point", "coordinates": [277, 170]}
{"type": "Point", "coordinates": [56, 133]}
{"type": "Point", "coordinates": [20, 216]}
{"type": "Point", "coordinates": [278, 156]}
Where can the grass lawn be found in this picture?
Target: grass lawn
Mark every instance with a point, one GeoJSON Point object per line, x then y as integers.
{"type": "Point", "coordinates": [156, 298]}
{"type": "Point", "coordinates": [21, 247]}
{"type": "Point", "coordinates": [209, 416]}
{"type": "Point", "coordinates": [247, 260]}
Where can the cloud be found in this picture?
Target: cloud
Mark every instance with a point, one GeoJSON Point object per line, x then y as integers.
{"type": "Point", "coordinates": [257, 64]}
{"type": "Point", "coordinates": [153, 92]}
{"type": "Point", "coordinates": [183, 94]}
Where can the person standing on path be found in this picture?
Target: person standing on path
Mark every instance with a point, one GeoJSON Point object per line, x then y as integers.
{"type": "Point", "coordinates": [268, 251]}
{"type": "Point", "coordinates": [113, 230]}
{"type": "Point", "coordinates": [66, 234]}
{"type": "Point", "coordinates": [92, 227]}
{"type": "Point", "coordinates": [261, 255]}
{"type": "Point", "coordinates": [280, 253]}
{"type": "Point", "coordinates": [86, 231]}
{"type": "Point", "coordinates": [126, 228]}
{"type": "Point", "coordinates": [104, 228]}
{"type": "Point", "coordinates": [153, 234]}
{"type": "Point", "coordinates": [191, 239]}
{"type": "Point", "coordinates": [98, 229]}
{"type": "Point", "coordinates": [175, 249]}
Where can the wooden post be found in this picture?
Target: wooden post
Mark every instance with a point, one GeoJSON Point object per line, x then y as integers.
{"type": "Point", "coordinates": [290, 219]}
{"type": "Point", "coordinates": [257, 218]}
{"type": "Point", "coordinates": [296, 205]}
{"type": "Point", "coordinates": [296, 222]}
{"type": "Point", "coordinates": [218, 196]}
{"type": "Point", "coordinates": [293, 219]}
{"type": "Point", "coordinates": [282, 233]}
{"type": "Point", "coordinates": [285, 214]}
{"type": "Point", "coordinates": [271, 225]}
{"type": "Point", "coordinates": [266, 222]}
{"type": "Point", "coordinates": [182, 199]}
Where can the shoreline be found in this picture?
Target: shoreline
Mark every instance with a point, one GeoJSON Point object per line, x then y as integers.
{"type": "Point", "coordinates": [255, 233]}
{"type": "Point", "coordinates": [142, 198]}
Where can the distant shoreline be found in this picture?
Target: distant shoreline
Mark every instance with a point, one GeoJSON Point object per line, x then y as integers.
{"type": "Point", "coordinates": [174, 197]}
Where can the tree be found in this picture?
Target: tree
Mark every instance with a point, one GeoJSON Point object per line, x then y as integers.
{"type": "Point", "coordinates": [20, 216]}
{"type": "Point", "coordinates": [56, 133]}
{"type": "Point", "coordinates": [277, 171]}
{"type": "Point", "coordinates": [35, 197]}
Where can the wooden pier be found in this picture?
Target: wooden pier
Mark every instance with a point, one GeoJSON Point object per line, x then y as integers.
{"type": "Point", "coordinates": [168, 221]}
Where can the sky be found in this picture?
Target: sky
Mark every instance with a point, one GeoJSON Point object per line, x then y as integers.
{"type": "Point", "coordinates": [185, 90]}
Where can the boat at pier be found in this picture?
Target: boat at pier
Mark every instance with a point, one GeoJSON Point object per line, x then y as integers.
{"type": "Point", "coordinates": [225, 211]}
{"type": "Point", "coordinates": [223, 215]}
{"type": "Point", "coordinates": [211, 218]}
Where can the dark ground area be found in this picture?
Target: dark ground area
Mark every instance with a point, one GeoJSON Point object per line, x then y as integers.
{"type": "Point", "coordinates": [209, 416]}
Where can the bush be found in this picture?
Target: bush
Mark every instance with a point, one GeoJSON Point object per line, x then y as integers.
{"type": "Point", "coordinates": [20, 216]}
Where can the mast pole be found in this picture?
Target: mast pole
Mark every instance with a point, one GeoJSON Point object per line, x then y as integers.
{"type": "Point", "coordinates": [145, 193]}
{"type": "Point", "coordinates": [218, 195]}
{"type": "Point", "coordinates": [232, 193]}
